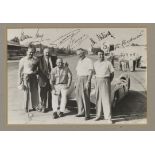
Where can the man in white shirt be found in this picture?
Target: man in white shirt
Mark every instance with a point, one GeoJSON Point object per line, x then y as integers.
{"type": "Point", "coordinates": [104, 73]}
{"type": "Point", "coordinates": [28, 69]}
{"type": "Point", "coordinates": [83, 84]}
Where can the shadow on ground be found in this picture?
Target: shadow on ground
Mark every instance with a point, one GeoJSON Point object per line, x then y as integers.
{"type": "Point", "coordinates": [132, 107]}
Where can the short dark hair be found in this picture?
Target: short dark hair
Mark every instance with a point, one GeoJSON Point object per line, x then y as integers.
{"type": "Point", "coordinates": [100, 50]}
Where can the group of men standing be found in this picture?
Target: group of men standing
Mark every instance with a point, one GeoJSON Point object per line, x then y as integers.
{"type": "Point", "coordinates": [55, 78]}
{"type": "Point", "coordinates": [129, 61]}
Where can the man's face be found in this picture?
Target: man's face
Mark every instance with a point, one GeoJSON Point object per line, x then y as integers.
{"type": "Point", "coordinates": [46, 52]}
{"type": "Point", "coordinates": [100, 56]}
{"type": "Point", "coordinates": [59, 63]}
{"type": "Point", "coordinates": [30, 53]}
{"type": "Point", "coordinates": [80, 54]}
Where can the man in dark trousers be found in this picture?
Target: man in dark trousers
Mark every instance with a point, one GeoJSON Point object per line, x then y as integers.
{"type": "Point", "coordinates": [46, 64]}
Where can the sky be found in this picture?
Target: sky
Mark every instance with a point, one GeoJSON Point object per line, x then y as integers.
{"type": "Point", "coordinates": [81, 36]}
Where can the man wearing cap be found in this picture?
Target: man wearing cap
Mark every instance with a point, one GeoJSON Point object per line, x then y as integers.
{"type": "Point", "coordinates": [61, 78]}
{"type": "Point", "coordinates": [104, 73]}
{"type": "Point", "coordinates": [84, 70]}
{"type": "Point", "coordinates": [46, 64]}
{"type": "Point", "coordinates": [27, 77]}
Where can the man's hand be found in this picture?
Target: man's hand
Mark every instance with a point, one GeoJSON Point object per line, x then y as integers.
{"type": "Point", "coordinates": [67, 86]}
{"type": "Point", "coordinates": [19, 82]}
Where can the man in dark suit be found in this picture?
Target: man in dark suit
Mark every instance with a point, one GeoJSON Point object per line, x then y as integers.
{"type": "Point", "coordinates": [46, 64]}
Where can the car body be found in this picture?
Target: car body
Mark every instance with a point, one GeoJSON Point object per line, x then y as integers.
{"type": "Point", "coordinates": [119, 88]}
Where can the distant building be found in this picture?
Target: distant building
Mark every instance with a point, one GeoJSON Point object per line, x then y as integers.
{"type": "Point", "coordinates": [15, 50]}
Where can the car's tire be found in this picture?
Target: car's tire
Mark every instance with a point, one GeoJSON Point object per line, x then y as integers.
{"type": "Point", "coordinates": [115, 100]}
{"type": "Point", "coordinates": [118, 96]}
{"type": "Point", "coordinates": [129, 83]}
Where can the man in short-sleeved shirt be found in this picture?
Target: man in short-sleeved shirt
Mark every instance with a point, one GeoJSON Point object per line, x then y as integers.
{"type": "Point", "coordinates": [84, 67]}
{"type": "Point", "coordinates": [104, 73]}
{"type": "Point", "coordinates": [83, 84]}
{"type": "Point", "coordinates": [103, 69]}
{"type": "Point", "coordinates": [61, 79]}
{"type": "Point", "coordinates": [28, 69]}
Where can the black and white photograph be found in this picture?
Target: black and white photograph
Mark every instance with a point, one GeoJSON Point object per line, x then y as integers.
{"type": "Point", "coordinates": [72, 76]}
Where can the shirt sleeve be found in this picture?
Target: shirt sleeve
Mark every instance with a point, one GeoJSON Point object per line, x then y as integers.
{"type": "Point", "coordinates": [111, 68]}
{"type": "Point", "coordinates": [69, 77]}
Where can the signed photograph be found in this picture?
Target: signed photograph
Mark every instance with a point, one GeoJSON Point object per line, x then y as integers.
{"type": "Point", "coordinates": [71, 76]}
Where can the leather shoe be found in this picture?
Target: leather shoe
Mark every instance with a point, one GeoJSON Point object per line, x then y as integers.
{"type": "Point", "coordinates": [61, 114]}
{"type": "Point", "coordinates": [55, 115]}
{"type": "Point", "coordinates": [87, 118]}
{"type": "Point", "coordinates": [36, 109]}
{"type": "Point", "coordinates": [79, 115]}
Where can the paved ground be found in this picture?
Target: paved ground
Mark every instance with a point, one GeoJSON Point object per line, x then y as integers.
{"type": "Point", "coordinates": [130, 110]}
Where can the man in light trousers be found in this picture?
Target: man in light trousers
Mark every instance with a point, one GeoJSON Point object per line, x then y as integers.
{"type": "Point", "coordinates": [104, 73]}
{"type": "Point", "coordinates": [27, 78]}
{"type": "Point", "coordinates": [83, 84]}
{"type": "Point", "coordinates": [61, 81]}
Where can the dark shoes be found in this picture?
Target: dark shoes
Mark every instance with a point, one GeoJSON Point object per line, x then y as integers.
{"type": "Point", "coordinates": [83, 115]}
{"type": "Point", "coordinates": [61, 114]}
{"type": "Point", "coordinates": [36, 109]}
{"type": "Point", "coordinates": [55, 115]}
{"type": "Point", "coordinates": [87, 118]}
{"type": "Point", "coordinates": [79, 115]}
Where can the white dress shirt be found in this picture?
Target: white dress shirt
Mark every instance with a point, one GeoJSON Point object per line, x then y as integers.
{"type": "Point", "coordinates": [103, 69]}
{"type": "Point", "coordinates": [84, 67]}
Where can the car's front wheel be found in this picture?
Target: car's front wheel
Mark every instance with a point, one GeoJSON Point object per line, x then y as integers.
{"type": "Point", "coordinates": [119, 94]}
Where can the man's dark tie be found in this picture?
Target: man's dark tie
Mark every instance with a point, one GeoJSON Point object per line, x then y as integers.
{"type": "Point", "coordinates": [48, 65]}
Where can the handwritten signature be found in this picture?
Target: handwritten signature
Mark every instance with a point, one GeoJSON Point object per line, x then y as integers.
{"type": "Point", "coordinates": [125, 43]}
{"type": "Point", "coordinates": [104, 35]}
{"type": "Point", "coordinates": [71, 38]}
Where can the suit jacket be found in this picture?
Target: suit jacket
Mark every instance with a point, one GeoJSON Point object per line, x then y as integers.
{"type": "Point", "coordinates": [43, 70]}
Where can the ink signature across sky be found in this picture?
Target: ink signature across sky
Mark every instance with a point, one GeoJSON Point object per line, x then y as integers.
{"type": "Point", "coordinates": [73, 39]}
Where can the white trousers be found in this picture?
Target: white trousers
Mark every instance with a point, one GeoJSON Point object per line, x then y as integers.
{"type": "Point", "coordinates": [59, 97]}
{"type": "Point", "coordinates": [131, 65]}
